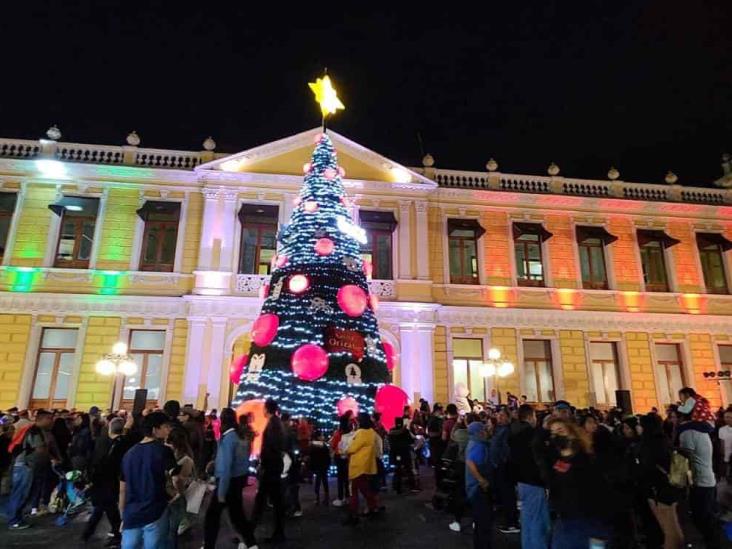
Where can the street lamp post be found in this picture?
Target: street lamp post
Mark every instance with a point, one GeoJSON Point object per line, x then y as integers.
{"type": "Point", "coordinates": [496, 368]}
{"type": "Point", "coordinates": [118, 364]}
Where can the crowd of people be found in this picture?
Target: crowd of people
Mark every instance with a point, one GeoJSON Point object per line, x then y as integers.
{"type": "Point", "coordinates": [561, 476]}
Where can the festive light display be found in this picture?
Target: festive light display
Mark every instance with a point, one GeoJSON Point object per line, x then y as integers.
{"type": "Point", "coordinates": [298, 284]}
{"type": "Point", "coordinates": [324, 346]}
{"type": "Point", "coordinates": [237, 367]}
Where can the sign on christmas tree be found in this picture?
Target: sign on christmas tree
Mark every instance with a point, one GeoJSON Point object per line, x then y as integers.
{"type": "Point", "coordinates": [316, 342]}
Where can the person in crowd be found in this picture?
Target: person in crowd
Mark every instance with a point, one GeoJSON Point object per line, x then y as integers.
{"type": "Point", "coordinates": [292, 480]}
{"type": "Point", "coordinates": [147, 468]}
{"type": "Point", "coordinates": [271, 466]}
{"type": "Point", "coordinates": [362, 453]}
{"type": "Point", "coordinates": [477, 484]}
{"type": "Point", "coordinates": [400, 455]}
{"type": "Point", "coordinates": [231, 471]}
{"type": "Point", "coordinates": [434, 437]}
{"type": "Point", "coordinates": [62, 435]}
{"type": "Point", "coordinates": [502, 473]}
{"type": "Point", "coordinates": [654, 460]}
{"type": "Point", "coordinates": [193, 424]}
{"type": "Point", "coordinates": [44, 479]}
{"type": "Point", "coordinates": [104, 474]}
{"type": "Point", "coordinates": [319, 464]}
{"type": "Point", "coordinates": [725, 437]}
{"type": "Point", "coordinates": [459, 438]}
{"type": "Point", "coordinates": [344, 434]}
{"type": "Point", "coordinates": [381, 468]}
{"type": "Point", "coordinates": [28, 448]}
{"type": "Point", "coordinates": [523, 439]}
{"type": "Point", "coordinates": [694, 438]}
{"type": "Point", "coordinates": [178, 442]}
{"type": "Point", "coordinates": [6, 437]}
{"type": "Point", "coordinates": [82, 443]}
{"type": "Point", "coordinates": [563, 410]}
{"type": "Point", "coordinates": [574, 483]}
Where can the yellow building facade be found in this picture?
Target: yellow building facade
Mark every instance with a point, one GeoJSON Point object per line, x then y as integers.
{"type": "Point", "coordinates": [586, 286]}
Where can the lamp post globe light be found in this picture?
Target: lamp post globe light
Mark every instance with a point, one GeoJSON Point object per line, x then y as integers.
{"type": "Point", "coordinates": [117, 363]}
{"type": "Point", "coordinates": [496, 368]}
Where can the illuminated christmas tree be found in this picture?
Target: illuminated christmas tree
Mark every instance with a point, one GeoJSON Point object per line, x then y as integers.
{"type": "Point", "coordinates": [316, 346]}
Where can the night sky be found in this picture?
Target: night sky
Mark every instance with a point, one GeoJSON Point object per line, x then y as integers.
{"type": "Point", "coordinates": [644, 85]}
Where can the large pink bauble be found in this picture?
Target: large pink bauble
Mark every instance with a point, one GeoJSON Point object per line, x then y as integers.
{"type": "Point", "coordinates": [236, 368]}
{"type": "Point", "coordinates": [264, 329]}
{"type": "Point", "coordinates": [330, 173]}
{"type": "Point", "coordinates": [298, 283]}
{"type": "Point", "coordinates": [281, 261]}
{"type": "Point", "coordinates": [390, 402]}
{"type": "Point", "coordinates": [345, 404]}
{"type": "Point", "coordinates": [309, 362]}
{"type": "Point", "coordinates": [310, 206]}
{"type": "Point", "coordinates": [352, 300]}
{"type": "Point", "coordinates": [324, 246]}
{"type": "Point", "coordinates": [391, 355]}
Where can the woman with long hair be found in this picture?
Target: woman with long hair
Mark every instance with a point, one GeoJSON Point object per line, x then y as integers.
{"type": "Point", "coordinates": [231, 470]}
{"type": "Point", "coordinates": [338, 442]}
{"type": "Point", "coordinates": [578, 491]}
{"type": "Point", "coordinates": [655, 462]}
{"type": "Point", "coordinates": [178, 441]}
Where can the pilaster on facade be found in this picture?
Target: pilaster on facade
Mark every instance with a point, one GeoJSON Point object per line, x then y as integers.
{"type": "Point", "coordinates": [422, 240]}
{"type": "Point", "coordinates": [416, 361]}
{"type": "Point", "coordinates": [13, 229]}
{"type": "Point", "coordinates": [405, 247]}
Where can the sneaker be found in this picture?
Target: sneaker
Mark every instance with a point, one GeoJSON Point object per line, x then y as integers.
{"type": "Point", "coordinates": [34, 511]}
{"type": "Point", "coordinates": [338, 502]}
{"type": "Point", "coordinates": [511, 529]}
{"type": "Point", "coordinates": [455, 526]}
{"type": "Point", "coordinates": [297, 514]}
{"type": "Point", "coordinates": [19, 525]}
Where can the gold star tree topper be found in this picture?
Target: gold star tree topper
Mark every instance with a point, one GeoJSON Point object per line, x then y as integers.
{"type": "Point", "coordinates": [326, 96]}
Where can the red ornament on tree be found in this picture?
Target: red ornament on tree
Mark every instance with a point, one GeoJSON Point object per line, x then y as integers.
{"type": "Point", "coordinates": [265, 328]}
{"type": "Point", "coordinates": [352, 300]}
{"type": "Point", "coordinates": [324, 246]}
{"type": "Point", "coordinates": [347, 404]}
{"type": "Point", "coordinates": [237, 367]}
{"type": "Point", "coordinates": [281, 261]}
{"type": "Point", "coordinates": [309, 362]}
{"type": "Point", "coordinates": [390, 402]}
{"type": "Point", "coordinates": [391, 356]}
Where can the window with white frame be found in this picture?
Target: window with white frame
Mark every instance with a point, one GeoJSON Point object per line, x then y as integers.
{"type": "Point", "coordinates": [379, 227]}
{"type": "Point", "coordinates": [54, 368]}
{"type": "Point", "coordinates": [467, 359]}
{"type": "Point", "coordinates": [159, 236]}
{"type": "Point", "coordinates": [538, 370]}
{"type": "Point", "coordinates": [605, 371]}
{"type": "Point", "coordinates": [462, 244]}
{"type": "Point", "coordinates": [146, 348]}
{"type": "Point", "coordinates": [712, 247]}
{"type": "Point", "coordinates": [669, 372]}
{"type": "Point", "coordinates": [528, 240]}
{"type": "Point", "coordinates": [76, 234]}
{"type": "Point", "coordinates": [258, 238]}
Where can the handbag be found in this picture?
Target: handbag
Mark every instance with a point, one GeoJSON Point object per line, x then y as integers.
{"type": "Point", "coordinates": [194, 496]}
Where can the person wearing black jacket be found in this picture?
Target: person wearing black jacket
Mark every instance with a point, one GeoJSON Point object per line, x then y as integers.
{"type": "Point", "coordinates": [104, 473]}
{"type": "Point", "coordinates": [400, 454]}
{"type": "Point", "coordinates": [522, 440]}
{"type": "Point", "coordinates": [271, 466]}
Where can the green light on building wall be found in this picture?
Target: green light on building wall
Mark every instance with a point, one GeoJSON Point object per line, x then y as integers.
{"type": "Point", "coordinates": [22, 279]}
{"type": "Point", "coordinates": [110, 282]}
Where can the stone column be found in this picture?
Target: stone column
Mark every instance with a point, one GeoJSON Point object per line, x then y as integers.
{"type": "Point", "coordinates": [416, 361]}
{"type": "Point", "coordinates": [227, 228]}
{"type": "Point", "coordinates": [422, 244]}
{"type": "Point", "coordinates": [215, 362]}
{"type": "Point", "coordinates": [208, 229]}
{"type": "Point", "coordinates": [195, 348]}
{"type": "Point", "coordinates": [405, 246]}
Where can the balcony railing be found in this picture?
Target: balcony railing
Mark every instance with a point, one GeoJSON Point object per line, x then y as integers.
{"type": "Point", "coordinates": [249, 285]}
{"type": "Point", "coordinates": [104, 154]}
{"type": "Point", "coordinates": [455, 179]}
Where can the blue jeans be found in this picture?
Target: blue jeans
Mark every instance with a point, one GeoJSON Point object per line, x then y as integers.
{"type": "Point", "coordinates": [576, 533]}
{"type": "Point", "coordinates": [22, 482]}
{"type": "Point", "coordinates": [150, 536]}
{"type": "Point", "coordinates": [535, 525]}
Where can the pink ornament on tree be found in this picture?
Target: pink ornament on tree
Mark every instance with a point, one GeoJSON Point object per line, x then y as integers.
{"type": "Point", "coordinates": [265, 328]}
{"type": "Point", "coordinates": [237, 367]}
{"type": "Point", "coordinates": [281, 261]}
{"type": "Point", "coordinates": [390, 402]}
{"type": "Point", "coordinates": [309, 362]}
{"type": "Point", "coordinates": [310, 206]}
{"type": "Point", "coordinates": [330, 173]}
{"type": "Point", "coordinates": [347, 404]}
{"type": "Point", "coordinates": [298, 283]}
{"type": "Point", "coordinates": [263, 291]}
{"type": "Point", "coordinates": [391, 356]}
{"type": "Point", "coordinates": [324, 246]}
{"type": "Point", "coordinates": [352, 300]}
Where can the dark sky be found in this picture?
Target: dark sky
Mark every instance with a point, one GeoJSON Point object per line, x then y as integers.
{"type": "Point", "coordinates": [644, 85]}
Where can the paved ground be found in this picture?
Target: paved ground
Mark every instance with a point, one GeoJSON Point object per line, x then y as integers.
{"type": "Point", "coordinates": [410, 523]}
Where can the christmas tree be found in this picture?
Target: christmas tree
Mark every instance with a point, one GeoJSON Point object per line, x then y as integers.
{"type": "Point", "coordinates": [316, 346]}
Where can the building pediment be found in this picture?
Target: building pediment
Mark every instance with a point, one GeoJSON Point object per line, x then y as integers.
{"type": "Point", "coordinates": [287, 157]}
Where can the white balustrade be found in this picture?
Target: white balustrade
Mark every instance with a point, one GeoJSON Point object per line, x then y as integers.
{"type": "Point", "coordinates": [250, 284]}
{"type": "Point", "coordinates": [383, 289]}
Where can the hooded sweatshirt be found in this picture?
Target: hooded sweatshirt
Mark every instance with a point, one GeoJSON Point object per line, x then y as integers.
{"type": "Point", "coordinates": [694, 437]}
{"type": "Point", "coordinates": [477, 452]}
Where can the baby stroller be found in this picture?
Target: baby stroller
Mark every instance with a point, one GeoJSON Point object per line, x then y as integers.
{"type": "Point", "coordinates": [69, 497]}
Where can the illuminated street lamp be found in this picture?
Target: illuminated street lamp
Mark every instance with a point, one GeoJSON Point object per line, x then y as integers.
{"type": "Point", "coordinates": [118, 364]}
{"type": "Point", "coordinates": [496, 368]}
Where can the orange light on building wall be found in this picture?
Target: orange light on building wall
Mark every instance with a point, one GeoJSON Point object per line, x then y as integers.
{"type": "Point", "coordinates": [632, 301]}
{"type": "Point", "coordinates": [500, 296]}
{"type": "Point", "coordinates": [567, 298]}
{"type": "Point", "coordinates": [693, 303]}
